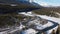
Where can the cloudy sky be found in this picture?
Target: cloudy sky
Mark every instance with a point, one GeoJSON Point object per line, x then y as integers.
{"type": "Point", "coordinates": [48, 2]}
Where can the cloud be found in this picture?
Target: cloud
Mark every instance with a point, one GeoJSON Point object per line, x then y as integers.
{"type": "Point", "coordinates": [48, 2]}
{"type": "Point", "coordinates": [43, 4]}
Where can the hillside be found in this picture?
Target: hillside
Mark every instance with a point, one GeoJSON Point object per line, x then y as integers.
{"type": "Point", "coordinates": [50, 11]}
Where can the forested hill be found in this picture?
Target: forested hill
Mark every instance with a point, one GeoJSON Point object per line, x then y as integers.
{"type": "Point", "coordinates": [50, 11]}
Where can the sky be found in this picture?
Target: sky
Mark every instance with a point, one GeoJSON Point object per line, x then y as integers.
{"type": "Point", "coordinates": [48, 2]}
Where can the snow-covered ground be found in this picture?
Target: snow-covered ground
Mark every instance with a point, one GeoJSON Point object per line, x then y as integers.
{"type": "Point", "coordinates": [57, 20]}
{"type": "Point", "coordinates": [29, 31]}
{"type": "Point", "coordinates": [38, 26]}
{"type": "Point", "coordinates": [50, 18]}
{"type": "Point", "coordinates": [43, 16]}
{"type": "Point", "coordinates": [4, 32]}
{"type": "Point", "coordinates": [21, 26]}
